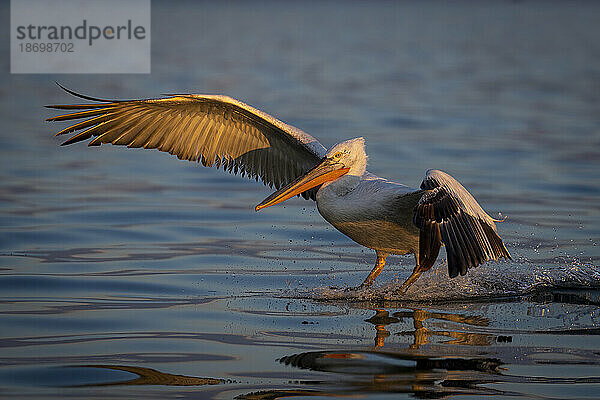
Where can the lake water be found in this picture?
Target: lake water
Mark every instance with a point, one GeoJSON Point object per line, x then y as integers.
{"type": "Point", "coordinates": [130, 274]}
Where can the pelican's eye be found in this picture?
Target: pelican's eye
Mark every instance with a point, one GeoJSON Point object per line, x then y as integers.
{"type": "Point", "coordinates": [337, 155]}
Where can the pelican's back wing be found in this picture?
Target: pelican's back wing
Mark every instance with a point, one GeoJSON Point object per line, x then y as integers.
{"type": "Point", "coordinates": [447, 213]}
{"type": "Point", "coordinates": [210, 129]}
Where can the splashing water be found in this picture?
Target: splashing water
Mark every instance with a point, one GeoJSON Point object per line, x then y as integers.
{"type": "Point", "coordinates": [504, 280]}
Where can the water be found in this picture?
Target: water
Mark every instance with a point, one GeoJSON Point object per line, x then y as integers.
{"type": "Point", "coordinates": [129, 274]}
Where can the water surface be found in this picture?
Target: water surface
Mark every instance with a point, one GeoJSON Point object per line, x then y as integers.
{"type": "Point", "coordinates": [129, 274]}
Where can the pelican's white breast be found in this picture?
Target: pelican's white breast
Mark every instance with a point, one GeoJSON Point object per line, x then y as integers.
{"type": "Point", "coordinates": [367, 210]}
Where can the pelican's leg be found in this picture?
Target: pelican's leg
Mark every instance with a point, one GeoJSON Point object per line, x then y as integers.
{"type": "Point", "coordinates": [379, 264]}
{"type": "Point", "coordinates": [411, 279]}
{"type": "Point", "coordinates": [414, 276]}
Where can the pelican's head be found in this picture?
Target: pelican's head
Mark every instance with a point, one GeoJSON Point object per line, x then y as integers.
{"type": "Point", "coordinates": [347, 157]}
{"type": "Point", "coordinates": [350, 153]}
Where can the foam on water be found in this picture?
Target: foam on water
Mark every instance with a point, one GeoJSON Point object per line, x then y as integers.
{"type": "Point", "coordinates": [504, 281]}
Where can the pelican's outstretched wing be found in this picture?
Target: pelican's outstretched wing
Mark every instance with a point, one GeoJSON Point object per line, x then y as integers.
{"type": "Point", "coordinates": [447, 213]}
{"type": "Point", "coordinates": [211, 129]}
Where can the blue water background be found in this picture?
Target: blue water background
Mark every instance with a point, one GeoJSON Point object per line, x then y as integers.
{"type": "Point", "coordinates": [113, 258]}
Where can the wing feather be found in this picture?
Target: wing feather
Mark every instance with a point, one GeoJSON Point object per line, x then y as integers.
{"type": "Point", "coordinates": [141, 135]}
{"type": "Point", "coordinates": [213, 130]}
{"type": "Point", "coordinates": [447, 213]}
{"type": "Point", "coordinates": [81, 114]}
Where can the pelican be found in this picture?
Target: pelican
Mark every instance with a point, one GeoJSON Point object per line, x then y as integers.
{"type": "Point", "coordinates": [220, 131]}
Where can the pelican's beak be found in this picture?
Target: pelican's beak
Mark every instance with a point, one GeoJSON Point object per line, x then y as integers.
{"type": "Point", "coordinates": [327, 170]}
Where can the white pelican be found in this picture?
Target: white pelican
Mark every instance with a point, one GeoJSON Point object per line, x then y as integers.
{"type": "Point", "coordinates": [385, 216]}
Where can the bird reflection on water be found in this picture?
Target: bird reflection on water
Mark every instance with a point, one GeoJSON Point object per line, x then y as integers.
{"type": "Point", "coordinates": [422, 334]}
{"type": "Point", "coordinates": [365, 371]}
{"type": "Point", "coordinates": [149, 376]}
{"type": "Point", "coordinates": [406, 370]}
{"type": "Point", "coordinates": [397, 370]}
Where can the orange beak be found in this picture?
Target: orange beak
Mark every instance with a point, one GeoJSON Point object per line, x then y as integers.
{"type": "Point", "coordinates": [326, 171]}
